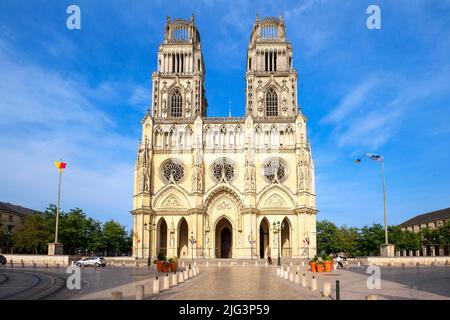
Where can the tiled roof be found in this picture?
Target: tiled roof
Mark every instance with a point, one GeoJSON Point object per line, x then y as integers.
{"type": "Point", "coordinates": [5, 206]}
{"type": "Point", "coordinates": [442, 214]}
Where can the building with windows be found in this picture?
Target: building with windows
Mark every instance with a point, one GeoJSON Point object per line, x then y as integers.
{"type": "Point", "coordinates": [430, 220]}
{"type": "Point", "coordinates": [224, 187]}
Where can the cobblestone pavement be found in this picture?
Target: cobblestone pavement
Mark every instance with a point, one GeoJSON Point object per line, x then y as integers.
{"type": "Point", "coordinates": [227, 283]}
{"type": "Point", "coordinates": [236, 283]}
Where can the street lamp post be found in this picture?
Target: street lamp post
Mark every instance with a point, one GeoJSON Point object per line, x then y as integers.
{"type": "Point", "coordinates": [251, 241]}
{"type": "Point", "coordinates": [149, 227]}
{"type": "Point", "coordinates": [278, 227]}
{"type": "Point", "coordinates": [193, 241]}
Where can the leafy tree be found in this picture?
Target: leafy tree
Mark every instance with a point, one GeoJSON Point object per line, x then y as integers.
{"type": "Point", "coordinates": [370, 239]}
{"type": "Point", "coordinates": [115, 237]}
{"type": "Point", "coordinates": [327, 235]}
{"type": "Point", "coordinates": [33, 235]}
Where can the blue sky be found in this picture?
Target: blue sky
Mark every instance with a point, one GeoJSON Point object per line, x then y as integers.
{"type": "Point", "coordinates": [80, 95]}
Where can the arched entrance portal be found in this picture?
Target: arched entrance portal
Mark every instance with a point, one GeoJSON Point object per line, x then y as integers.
{"type": "Point", "coordinates": [286, 238]}
{"type": "Point", "coordinates": [162, 236]}
{"type": "Point", "coordinates": [264, 239]}
{"type": "Point", "coordinates": [183, 238]}
{"type": "Point", "coordinates": [224, 239]}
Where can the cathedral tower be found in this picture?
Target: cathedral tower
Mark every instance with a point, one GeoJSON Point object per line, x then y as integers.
{"type": "Point", "coordinates": [270, 78]}
{"type": "Point", "coordinates": [178, 84]}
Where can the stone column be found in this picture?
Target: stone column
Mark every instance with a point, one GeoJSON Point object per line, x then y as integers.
{"type": "Point", "coordinates": [441, 252]}
{"type": "Point", "coordinates": [433, 252]}
{"type": "Point", "coordinates": [417, 253]}
{"type": "Point", "coordinates": [397, 253]}
{"type": "Point", "coordinates": [404, 253]}
{"type": "Point", "coordinates": [410, 253]}
{"type": "Point", "coordinates": [424, 251]}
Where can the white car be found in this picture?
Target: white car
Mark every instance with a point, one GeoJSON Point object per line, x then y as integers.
{"type": "Point", "coordinates": [91, 261]}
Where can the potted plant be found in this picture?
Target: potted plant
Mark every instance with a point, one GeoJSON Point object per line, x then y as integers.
{"type": "Point", "coordinates": [319, 265]}
{"type": "Point", "coordinates": [166, 266]}
{"type": "Point", "coordinates": [173, 264]}
{"type": "Point", "coordinates": [327, 262]}
{"type": "Point", "coordinates": [312, 264]}
{"type": "Point", "coordinates": [160, 261]}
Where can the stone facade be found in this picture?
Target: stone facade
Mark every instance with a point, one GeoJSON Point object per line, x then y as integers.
{"type": "Point", "coordinates": [224, 183]}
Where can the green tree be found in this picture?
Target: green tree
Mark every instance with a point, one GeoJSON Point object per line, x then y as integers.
{"type": "Point", "coordinates": [115, 238]}
{"type": "Point", "coordinates": [34, 235]}
{"type": "Point", "coordinates": [327, 235]}
{"type": "Point", "coordinates": [370, 239]}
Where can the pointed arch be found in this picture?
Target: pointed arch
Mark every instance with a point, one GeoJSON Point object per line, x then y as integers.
{"type": "Point", "coordinates": [161, 240]}
{"type": "Point", "coordinates": [271, 102]}
{"type": "Point", "coordinates": [219, 190]}
{"type": "Point", "coordinates": [183, 238]}
{"type": "Point", "coordinates": [171, 197]}
{"type": "Point", "coordinates": [275, 197]}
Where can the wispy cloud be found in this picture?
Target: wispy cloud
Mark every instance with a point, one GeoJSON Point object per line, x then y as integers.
{"type": "Point", "coordinates": [45, 116]}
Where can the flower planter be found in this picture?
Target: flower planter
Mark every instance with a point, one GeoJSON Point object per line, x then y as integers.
{"type": "Point", "coordinates": [166, 267]}
{"type": "Point", "coordinates": [313, 266]}
{"type": "Point", "coordinates": [319, 267]}
{"type": "Point", "coordinates": [328, 265]}
{"type": "Point", "coordinates": [173, 266]}
{"type": "Point", "coordinates": [160, 265]}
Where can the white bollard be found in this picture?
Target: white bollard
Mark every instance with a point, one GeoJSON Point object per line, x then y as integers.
{"type": "Point", "coordinates": [326, 289]}
{"type": "Point", "coordinates": [256, 263]}
{"type": "Point", "coordinates": [286, 274]}
{"type": "Point", "coordinates": [156, 286]}
{"type": "Point", "coordinates": [288, 269]}
{"type": "Point", "coordinates": [303, 263]}
{"type": "Point", "coordinates": [218, 264]}
{"type": "Point", "coordinates": [278, 271]}
{"type": "Point", "coordinates": [166, 282]}
{"type": "Point", "coordinates": [335, 266]}
{"type": "Point", "coordinates": [140, 292]}
{"type": "Point", "coordinates": [291, 276]}
{"type": "Point", "coordinates": [313, 284]}
{"type": "Point", "coordinates": [267, 263]}
{"type": "Point", "coordinates": [190, 273]}
{"type": "Point", "coordinates": [180, 277]}
{"type": "Point", "coordinates": [296, 278]}
{"type": "Point", "coordinates": [304, 284]}
{"type": "Point", "coordinates": [207, 263]}
{"type": "Point", "coordinates": [174, 280]}
{"type": "Point", "coordinates": [194, 272]}
{"type": "Point", "coordinates": [198, 270]}
{"type": "Point", "coordinates": [182, 264]}
{"type": "Point", "coordinates": [185, 275]}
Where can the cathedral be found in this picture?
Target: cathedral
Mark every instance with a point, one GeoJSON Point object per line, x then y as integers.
{"type": "Point", "coordinates": [224, 187]}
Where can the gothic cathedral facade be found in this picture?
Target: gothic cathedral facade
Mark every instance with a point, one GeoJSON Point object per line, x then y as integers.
{"type": "Point", "coordinates": [224, 187]}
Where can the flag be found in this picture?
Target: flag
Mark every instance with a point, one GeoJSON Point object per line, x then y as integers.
{"type": "Point", "coordinates": [375, 156]}
{"type": "Point", "coordinates": [60, 165]}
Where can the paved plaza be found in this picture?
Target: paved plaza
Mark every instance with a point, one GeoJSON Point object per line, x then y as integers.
{"type": "Point", "coordinates": [227, 282]}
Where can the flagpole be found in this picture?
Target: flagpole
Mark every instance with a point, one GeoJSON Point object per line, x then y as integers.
{"type": "Point", "coordinates": [57, 207]}
{"type": "Point", "coordinates": [384, 203]}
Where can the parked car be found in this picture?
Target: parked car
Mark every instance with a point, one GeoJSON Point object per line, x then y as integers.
{"type": "Point", "coordinates": [91, 261]}
{"type": "Point", "coordinates": [2, 259]}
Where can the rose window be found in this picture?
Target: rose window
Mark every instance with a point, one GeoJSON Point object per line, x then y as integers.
{"type": "Point", "coordinates": [172, 169]}
{"type": "Point", "coordinates": [223, 168]}
{"type": "Point", "coordinates": [275, 166]}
